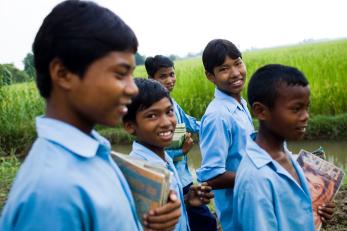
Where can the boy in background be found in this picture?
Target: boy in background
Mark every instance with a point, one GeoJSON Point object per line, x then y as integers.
{"type": "Point", "coordinates": [271, 192]}
{"type": "Point", "coordinates": [162, 69]}
{"type": "Point", "coordinates": [84, 60]}
{"type": "Point", "coordinates": [225, 126]}
{"type": "Point", "coordinates": [152, 121]}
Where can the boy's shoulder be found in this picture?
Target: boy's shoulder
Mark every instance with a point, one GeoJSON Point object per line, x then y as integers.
{"type": "Point", "coordinates": [48, 162]}
{"type": "Point", "coordinates": [254, 166]}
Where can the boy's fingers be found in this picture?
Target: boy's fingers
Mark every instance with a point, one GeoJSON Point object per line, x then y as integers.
{"type": "Point", "coordinates": [208, 195]}
{"type": "Point", "coordinates": [326, 209]}
{"type": "Point", "coordinates": [162, 226]}
{"type": "Point", "coordinates": [329, 205]}
{"type": "Point", "coordinates": [164, 218]}
{"type": "Point", "coordinates": [168, 208]}
{"type": "Point", "coordinates": [204, 184]}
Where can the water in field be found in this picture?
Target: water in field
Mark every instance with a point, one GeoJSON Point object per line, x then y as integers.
{"type": "Point", "coordinates": [336, 152]}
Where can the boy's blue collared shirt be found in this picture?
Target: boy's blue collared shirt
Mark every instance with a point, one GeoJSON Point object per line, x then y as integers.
{"type": "Point", "coordinates": [192, 126]}
{"type": "Point", "coordinates": [266, 196]}
{"type": "Point", "coordinates": [140, 151]}
{"type": "Point", "coordinates": [69, 182]}
{"type": "Point", "coordinates": [225, 129]}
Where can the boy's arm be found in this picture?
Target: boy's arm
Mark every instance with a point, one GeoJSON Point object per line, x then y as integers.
{"type": "Point", "coordinates": [215, 140]}
{"type": "Point", "coordinates": [253, 207]}
{"type": "Point", "coordinates": [173, 153]}
{"type": "Point", "coordinates": [224, 180]}
{"type": "Point", "coordinates": [192, 125]}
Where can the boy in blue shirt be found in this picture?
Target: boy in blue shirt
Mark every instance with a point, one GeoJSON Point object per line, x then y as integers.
{"type": "Point", "coordinates": [162, 69]}
{"type": "Point", "coordinates": [271, 192]}
{"type": "Point", "coordinates": [225, 126]}
{"type": "Point", "coordinates": [84, 60]}
{"type": "Point", "coordinates": [151, 120]}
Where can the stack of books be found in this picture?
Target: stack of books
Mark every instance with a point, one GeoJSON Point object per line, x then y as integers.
{"type": "Point", "coordinates": [179, 136]}
{"type": "Point", "coordinates": [148, 182]}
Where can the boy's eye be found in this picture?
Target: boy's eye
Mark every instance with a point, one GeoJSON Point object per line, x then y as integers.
{"type": "Point", "coordinates": [151, 116]}
{"type": "Point", "coordinates": [121, 75]}
{"type": "Point", "coordinates": [170, 112]}
{"type": "Point", "coordinates": [295, 109]}
{"type": "Point", "coordinates": [172, 74]}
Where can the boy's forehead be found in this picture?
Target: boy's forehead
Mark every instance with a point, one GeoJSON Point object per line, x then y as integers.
{"type": "Point", "coordinates": [123, 59]}
{"type": "Point", "coordinates": [161, 104]}
{"type": "Point", "coordinates": [166, 69]}
{"type": "Point", "coordinates": [228, 60]}
{"type": "Point", "coordinates": [286, 92]}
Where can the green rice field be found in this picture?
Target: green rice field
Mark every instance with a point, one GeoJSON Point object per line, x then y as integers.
{"type": "Point", "coordinates": [324, 64]}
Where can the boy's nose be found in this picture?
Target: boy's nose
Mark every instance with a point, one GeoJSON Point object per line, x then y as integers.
{"type": "Point", "coordinates": [305, 115]}
{"type": "Point", "coordinates": [167, 120]}
{"type": "Point", "coordinates": [130, 88]}
{"type": "Point", "coordinates": [234, 71]}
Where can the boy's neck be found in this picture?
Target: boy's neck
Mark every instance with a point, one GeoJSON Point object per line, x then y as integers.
{"type": "Point", "coordinates": [157, 150]}
{"type": "Point", "coordinates": [237, 97]}
{"type": "Point", "coordinates": [58, 112]}
{"type": "Point", "coordinates": [271, 143]}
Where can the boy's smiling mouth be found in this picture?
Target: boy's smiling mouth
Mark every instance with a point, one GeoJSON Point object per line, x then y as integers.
{"type": "Point", "coordinates": [237, 83]}
{"type": "Point", "coordinates": [302, 129]}
{"type": "Point", "coordinates": [167, 135]}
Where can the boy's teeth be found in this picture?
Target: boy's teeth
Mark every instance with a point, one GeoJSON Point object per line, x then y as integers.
{"type": "Point", "coordinates": [164, 133]}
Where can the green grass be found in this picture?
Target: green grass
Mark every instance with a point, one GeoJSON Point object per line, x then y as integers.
{"type": "Point", "coordinates": [8, 169]}
{"type": "Point", "coordinates": [324, 64]}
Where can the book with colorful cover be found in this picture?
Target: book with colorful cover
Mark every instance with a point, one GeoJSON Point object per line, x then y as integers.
{"type": "Point", "coordinates": [149, 183]}
{"type": "Point", "coordinates": [324, 180]}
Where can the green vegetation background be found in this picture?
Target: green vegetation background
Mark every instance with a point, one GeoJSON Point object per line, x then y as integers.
{"type": "Point", "coordinates": [324, 64]}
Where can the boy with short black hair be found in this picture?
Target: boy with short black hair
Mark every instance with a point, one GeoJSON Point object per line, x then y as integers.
{"type": "Point", "coordinates": [84, 60]}
{"type": "Point", "coordinates": [225, 126]}
{"type": "Point", "coordinates": [162, 69]}
{"type": "Point", "coordinates": [271, 192]}
{"type": "Point", "coordinates": [151, 120]}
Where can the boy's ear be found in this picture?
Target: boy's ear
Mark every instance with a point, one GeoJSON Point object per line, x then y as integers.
{"type": "Point", "coordinates": [210, 76]}
{"type": "Point", "coordinates": [129, 127]}
{"type": "Point", "coordinates": [260, 111]}
{"type": "Point", "coordinates": [60, 75]}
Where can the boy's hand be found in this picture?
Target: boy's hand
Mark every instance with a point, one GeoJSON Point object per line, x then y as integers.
{"type": "Point", "coordinates": [165, 217]}
{"type": "Point", "coordinates": [326, 211]}
{"type": "Point", "coordinates": [199, 194]}
{"type": "Point", "coordinates": [188, 143]}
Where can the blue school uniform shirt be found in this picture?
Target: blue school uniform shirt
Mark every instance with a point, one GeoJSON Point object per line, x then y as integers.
{"type": "Point", "coordinates": [225, 128]}
{"type": "Point", "coordinates": [266, 196]}
{"type": "Point", "coordinates": [141, 152]}
{"type": "Point", "coordinates": [180, 159]}
{"type": "Point", "coordinates": [69, 182]}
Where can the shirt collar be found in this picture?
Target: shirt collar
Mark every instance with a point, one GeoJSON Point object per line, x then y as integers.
{"type": "Point", "coordinates": [231, 102]}
{"type": "Point", "coordinates": [70, 137]}
{"type": "Point", "coordinates": [147, 154]}
{"type": "Point", "coordinates": [259, 156]}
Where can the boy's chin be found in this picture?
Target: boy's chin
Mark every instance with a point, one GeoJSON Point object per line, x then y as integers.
{"type": "Point", "coordinates": [112, 123]}
{"type": "Point", "coordinates": [296, 137]}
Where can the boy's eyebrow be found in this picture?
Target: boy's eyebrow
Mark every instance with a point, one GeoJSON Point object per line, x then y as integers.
{"type": "Point", "coordinates": [157, 109]}
{"type": "Point", "coordinates": [125, 65]}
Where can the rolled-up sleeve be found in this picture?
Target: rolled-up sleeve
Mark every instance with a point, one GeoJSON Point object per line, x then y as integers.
{"type": "Point", "coordinates": [215, 140]}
